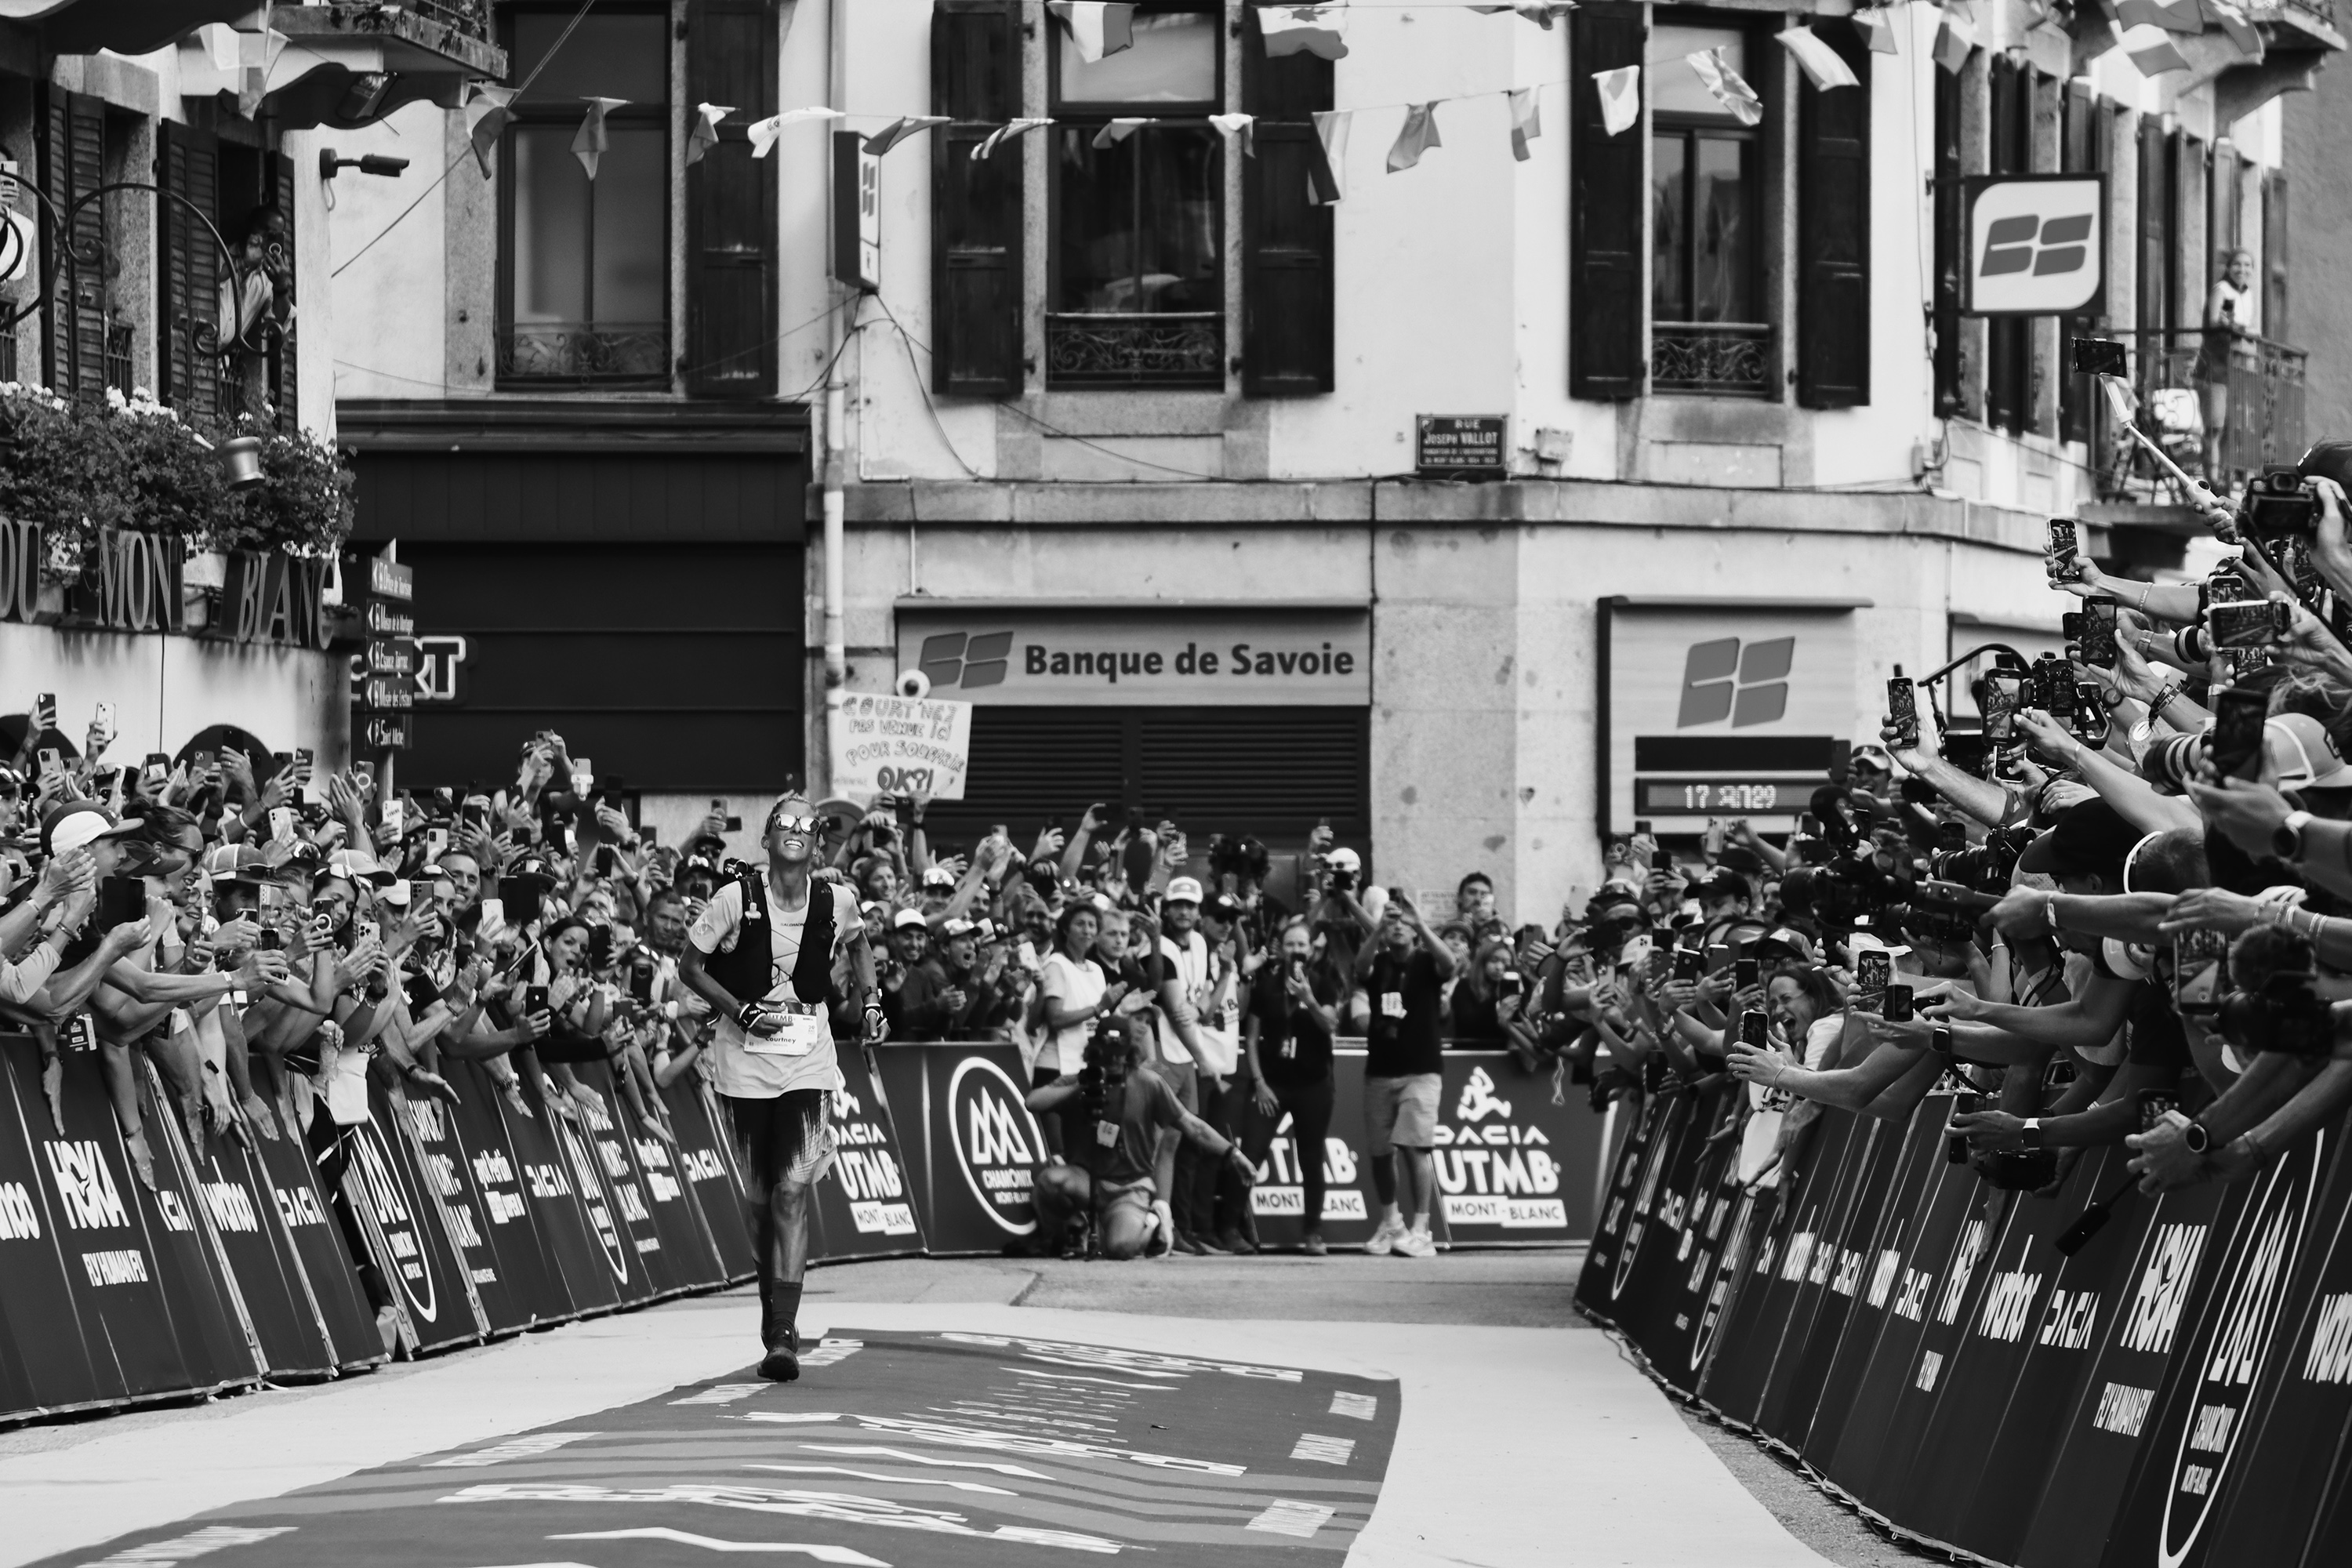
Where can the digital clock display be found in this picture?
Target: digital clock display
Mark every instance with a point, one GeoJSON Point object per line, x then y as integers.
{"type": "Point", "coordinates": [1724, 797]}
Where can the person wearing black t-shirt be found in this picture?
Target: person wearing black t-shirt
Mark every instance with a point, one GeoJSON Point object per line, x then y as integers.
{"type": "Point", "coordinates": [1404, 970]}
{"type": "Point", "coordinates": [1294, 1006]}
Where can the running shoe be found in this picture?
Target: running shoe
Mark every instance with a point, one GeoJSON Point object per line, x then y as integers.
{"type": "Point", "coordinates": [1416, 1244]}
{"type": "Point", "coordinates": [1384, 1241]}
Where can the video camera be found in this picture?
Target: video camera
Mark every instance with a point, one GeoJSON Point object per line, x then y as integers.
{"type": "Point", "coordinates": [1841, 881]}
{"type": "Point", "coordinates": [1102, 1081]}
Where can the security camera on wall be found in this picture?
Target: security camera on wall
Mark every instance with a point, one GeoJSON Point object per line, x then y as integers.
{"type": "Point", "coordinates": [914, 684]}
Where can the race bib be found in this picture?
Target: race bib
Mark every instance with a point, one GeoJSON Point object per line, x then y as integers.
{"type": "Point", "coordinates": [1105, 1133]}
{"type": "Point", "coordinates": [1391, 1004]}
{"type": "Point", "coordinates": [804, 1030]}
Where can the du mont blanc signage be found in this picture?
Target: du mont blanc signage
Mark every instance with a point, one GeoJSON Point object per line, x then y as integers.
{"type": "Point", "coordinates": [1130, 654]}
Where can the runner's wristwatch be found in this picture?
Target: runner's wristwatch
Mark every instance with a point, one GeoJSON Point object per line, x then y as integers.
{"type": "Point", "coordinates": [2195, 1138]}
{"type": "Point", "coordinates": [2030, 1136]}
{"type": "Point", "coordinates": [748, 1014]}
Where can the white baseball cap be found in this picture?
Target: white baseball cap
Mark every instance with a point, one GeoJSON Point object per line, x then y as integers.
{"type": "Point", "coordinates": [80, 823]}
{"type": "Point", "coordinates": [905, 918]}
{"type": "Point", "coordinates": [1182, 891]}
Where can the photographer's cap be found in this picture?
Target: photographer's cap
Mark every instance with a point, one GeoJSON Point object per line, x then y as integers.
{"type": "Point", "coordinates": [939, 877]}
{"type": "Point", "coordinates": [1782, 938]}
{"type": "Point", "coordinates": [2090, 837]}
{"type": "Point", "coordinates": [905, 918]}
{"type": "Point", "coordinates": [79, 823]}
{"type": "Point", "coordinates": [2299, 753]}
{"type": "Point", "coordinates": [355, 866]}
{"type": "Point", "coordinates": [1182, 891]}
{"type": "Point", "coordinates": [237, 863]}
{"type": "Point", "coordinates": [1724, 883]}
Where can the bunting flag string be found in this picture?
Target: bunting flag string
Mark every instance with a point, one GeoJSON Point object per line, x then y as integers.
{"type": "Point", "coordinates": [764, 132]}
{"type": "Point", "coordinates": [899, 130]}
{"type": "Point", "coordinates": [1536, 11]}
{"type": "Point", "coordinates": [1621, 97]}
{"type": "Point", "coordinates": [2151, 48]}
{"type": "Point", "coordinates": [1118, 130]}
{"type": "Point", "coordinates": [1006, 132]}
{"type": "Point", "coordinates": [1955, 38]}
{"type": "Point", "coordinates": [1327, 183]}
{"type": "Point", "coordinates": [2172, 15]}
{"type": "Point", "coordinates": [1820, 62]}
{"type": "Point", "coordinates": [1527, 121]}
{"type": "Point", "coordinates": [1099, 28]}
{"type": "Point", "coordinates": [1416, 136]}
{"type": "Point", "coordinates": [1877, 29]}
{"type": "Point", "coordinates": [589, 144]}
{"type": "Point", "coordinates": [1238, 127]}
{"type": "Point", "coordinates": [1318, 29]}
{"type": "Point", "coordinates": [705, 134]}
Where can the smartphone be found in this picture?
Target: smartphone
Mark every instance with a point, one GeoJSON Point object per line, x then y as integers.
{"type": "Point", "coordinates": [1895, 1007]}
{"type": "Point", "coordinates": [159, 765]}
{"type": "Point", "coordinates": [2155, 1105]}
{"type": "Point", "coordinates": [436, 843]}
{"type": "Point", "coordinates": [271, 940]}
{"type": "Point", "coordinates": [534, 999]}
{"type": "Point", "coordinates": [2100, 357]}
{"type": "Point", "coordinates": [421, 992]}
{"type": "Point", "coordinates": [2064, 553]}
{"type": "Point", "coordinates": [2198, 960]}
{"type": "Point", "coordinates": [53, 761]}
{"type": "Point", "coordinates": [420, 896]}
{"type": "Point", "coordinates": [121, 900]}
{"type": "Point", "coordinates": [2247, 623]}
{"type": "Point", "coordinates": [518, 897]}
{"type": "Point", "coordinates": [1752, 1030]}
{"type": "Point", "coordinates": [1025, 954]}
{"type": "Point", "coordinates": [1512, 984]}
{"type": "Point", "coordinates": [1744, 974]}
{"type": "Point", "coordinates": [2004, 693]}
{"type": "Point", "coordinates": [1642, 824]}
{"type": "Point", "coordinates": [1689, 964]}
{"type": "Point", "coordinates": [494, 915]}
{"type": "Point", "coordinates": [1871, 971]}
{"type": "Point", "coordinates": [364, 771]}
{"type": "Point", "coordinates": [281, 825]}
{"type": "Point", "coordinates": [600, 946]}
{"type": "Point", "coordinates": [1902, 710]}
{"type": "Point", "coordinates": [302, 759]}
{"type": "Point", "coordinates": [1956, 1145]}
{"type": "Point", "coordinates": [365, 929]}
{"type": "Point", "coordinates": [607, 861]}
{"type": "Point", "coordinates": [1662, 860]}
{"type": "Point", "coordinates": [394, 821]}
{"type": "Point", "coordinates": [2237, 744]}
{"type": "Point", "coordinates": [2098, 638]}
{"type": "Point", "coordinates": [650, 834]}
{"type": "Point", "coordinates": [45, 712]}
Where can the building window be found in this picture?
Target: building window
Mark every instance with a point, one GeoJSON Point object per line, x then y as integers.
{"type": "Point", "coordinates": [1137, 291]}
{"type": "Point", "coordinates": [1708, 331]}
{"type": "Point", "coordinates": [583, 273]}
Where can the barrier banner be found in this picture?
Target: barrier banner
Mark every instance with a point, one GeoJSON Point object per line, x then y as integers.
{"type": "Point", "coordinates": [677, 1214]}
{"type": "Point", "coordinates": [49, 1191]}
{"type": "Point", "coordinates": [600, 1127]}
{"type": "Point", "coordinates": [240, 1201]}
{"type": "Point", "coordinates": [445, 1167]}
{"type": "Point", "coordinates": [319, 1246]}
{"type": "Point", "coordinates": [2159, 1295]}
{"type": "Point", "coordinates": [1596, 1286]}
{"type": "Point", "coordinates": [1829, 1274]}
{"type": "Point", "coordinates": [610, 1226]}
{"type": "Point", "coordinates": [863, 1207]}
{"type": "Point", "coordinates": [435, 1285]}
{"type": "Point", "coordinates": [706, 1160]}
{"type": "Point", "coordinates": [1514, 1153]}
{"type": "Point", "coordinates": [1658, 1255]}
{"type": "Point", "coordinates": [208, 1311]}
{"type": "Point", "coordinates": [2201, 1416]}
{"type": "Point", "coordinates": [589, 1273]}
{"type": "Point", "coordinates": [1350, 1202]}
{"type": "Point", "coordinates": [977, 1138]}
{"type": "Point", "coordinates": [2269, 1481]}
{"type": "Point", "coordinates": [530, 1280]}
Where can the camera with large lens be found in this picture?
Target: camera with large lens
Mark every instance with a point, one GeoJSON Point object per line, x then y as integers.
{"type": "Point", "coordinates": [1984, 867]}
{"type": "Point", "coordinates": [2280, 504]}
{"type": "Point", "coordinates": [1842, 882]}
{"type": "Point", "coordinates": [1102, 1081]}
{"type": "Point", "coordinates": [2288, 1016]}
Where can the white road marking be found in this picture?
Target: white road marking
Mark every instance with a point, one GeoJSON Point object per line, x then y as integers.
{"type": "Point", "coordinates": [874, 1451]}
{"type": "Point", "coordinates": [1360, 1407]}
{"type": "Point", "coordinates": [1324, 1450]}
{"type": "Point", "coordinates": [530, 1444]}
{"type": "Point", "coordinates": [842, 1554]}
{"type": "Point", "coordinates": [1288, 1516]}
{"type": "Point", "coordinates": [876, 1475]}
{"type": "Point", "coordinates": [722, 1393]}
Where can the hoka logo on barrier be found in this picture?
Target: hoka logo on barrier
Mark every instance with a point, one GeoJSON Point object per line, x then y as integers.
{"type": "Point", "coordinates": [2154, 1315]}
{"type": "Point", "coordinates": [86, 1190]}
{"type": "Point", "coordinates": [19, 1219]}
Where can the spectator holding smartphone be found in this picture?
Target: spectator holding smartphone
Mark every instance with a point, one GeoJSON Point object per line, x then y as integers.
{"type": "Point", "coordinates": [1404, 970]}
{"type": "Point", "coordinates": [1294, 1011]}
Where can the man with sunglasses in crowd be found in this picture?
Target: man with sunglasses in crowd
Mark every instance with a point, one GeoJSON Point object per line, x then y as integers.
{"type": "Point", "coordinates": [763, 954]}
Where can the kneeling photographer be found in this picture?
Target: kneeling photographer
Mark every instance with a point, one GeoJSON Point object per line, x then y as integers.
{"type": "Point", "coordinates": [1109, 1179]}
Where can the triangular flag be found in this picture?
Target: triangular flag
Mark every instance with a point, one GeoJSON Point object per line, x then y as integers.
{"type": "Point", "coordinates": [1954, 38]}
{"type": "Point", "coordinates": [220, 44]}
{"type": "Point", "coordinates": [1416, 136]}
{"type": "Point", "coordinates": [1720, 79]}
{"type": "Point", "coordinates": [486, 117]}
{"type": "Point", "coordinates": [764, 132]}
{"type": "Point", "coordinates": [1314, 28]}
{"type": "Point", "coordinates": [2172, 15]}
{"type": "Point", "coordinates": [1527, 121]}
{"type": "Point", "coordinates": [1240, 126]}
{"type": "Point", "coordinates": [897, 130]}
{"type": "Point", "coordinates": [1821, 64]}
{"type": "Point", "coordinates": [1006, 132]}
{"type": "Point", "coordinates": [588, 143]}
{"type": "Point", "coordinates": [2234, 22]}
{"type": "Point", "coordinates": [2151, 49]}
{"type": "Point", "coordinates": [705, 134]}
{"type": "Point", "coordinates": [1876, 26]}
{"type": "Point", "coordinates": [1535, 11]}
{"type": "Point", "coordinates": [1327, 180]}
{"type": "Point", "coordinates": [1120, 130]}
{"type": "Point", "coordinates": [1621, 97]}
{"type": "Point", "coordinates": [1098, 29]}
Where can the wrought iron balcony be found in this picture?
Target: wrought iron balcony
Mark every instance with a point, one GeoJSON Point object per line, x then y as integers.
{"type": "Point", "coordinates": [1139, 349]}
{"type": "Point", "coordinates": [583, 352]}
{"type": "Point", "coordinates": [2222, 403]}
{"type": "Point", "coordinates": [351, 62]}
{"type": "Point", "coordinates": [1725, 359]}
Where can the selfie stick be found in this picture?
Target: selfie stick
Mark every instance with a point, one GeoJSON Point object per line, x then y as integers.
{"type": "Point", "coordinates": [2119, 402]}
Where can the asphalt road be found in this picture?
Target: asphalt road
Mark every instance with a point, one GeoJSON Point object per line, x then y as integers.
{"type": "Point", "coordinates": [1515, 1379]}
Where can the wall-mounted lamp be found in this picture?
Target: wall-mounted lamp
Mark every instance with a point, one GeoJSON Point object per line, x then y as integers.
{"type": "Point", "coordinates": [374, 163]}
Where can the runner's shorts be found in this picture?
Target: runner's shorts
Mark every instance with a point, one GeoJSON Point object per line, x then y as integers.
{"type": "Point", "coordinates": [785, 1137]}
{"type": "Point", "coordinates": [1400, 1110]}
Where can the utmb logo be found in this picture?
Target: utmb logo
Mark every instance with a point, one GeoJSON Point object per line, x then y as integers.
{"type": "Point", "coordinates": [1747, 685]}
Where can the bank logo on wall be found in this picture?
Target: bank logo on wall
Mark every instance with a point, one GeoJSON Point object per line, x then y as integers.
{"type": "Point", "coordinates": [955, 658]}
{"type": "Point", "coordinates": [1747, 685]}
{"type": "Point", "coordinates": [996, 1141]}
{"type": "Point", "coordinates": [2034, 244]}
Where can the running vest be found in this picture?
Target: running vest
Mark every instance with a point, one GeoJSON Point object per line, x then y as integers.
{"type": "Point", "coordinates": [747, 971]}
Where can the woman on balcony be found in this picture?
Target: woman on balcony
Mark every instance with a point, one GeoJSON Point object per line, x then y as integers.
{"type": "Point", "coordinates": [2230, 313]}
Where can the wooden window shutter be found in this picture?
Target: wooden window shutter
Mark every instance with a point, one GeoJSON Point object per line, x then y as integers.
{"type": "Point", "coordinates": [730, 203]}
{"type": "Point", "coordinates": [1950, 366]}
{"type": "Point", "coordinates": [73, 164]}
{"type": "Point", "coordinates": [285, 390]}
{"type": "Point", "coordinates": [976, 203]}
{"type": "Point", "coordinates": [1286, 253]}
{"type": "Point", "coordinates": [189, 274]}
{"type": "Point", "coordinates": [1607, 202]}
{"type": "Point", "coordinates": [1833, 232]}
